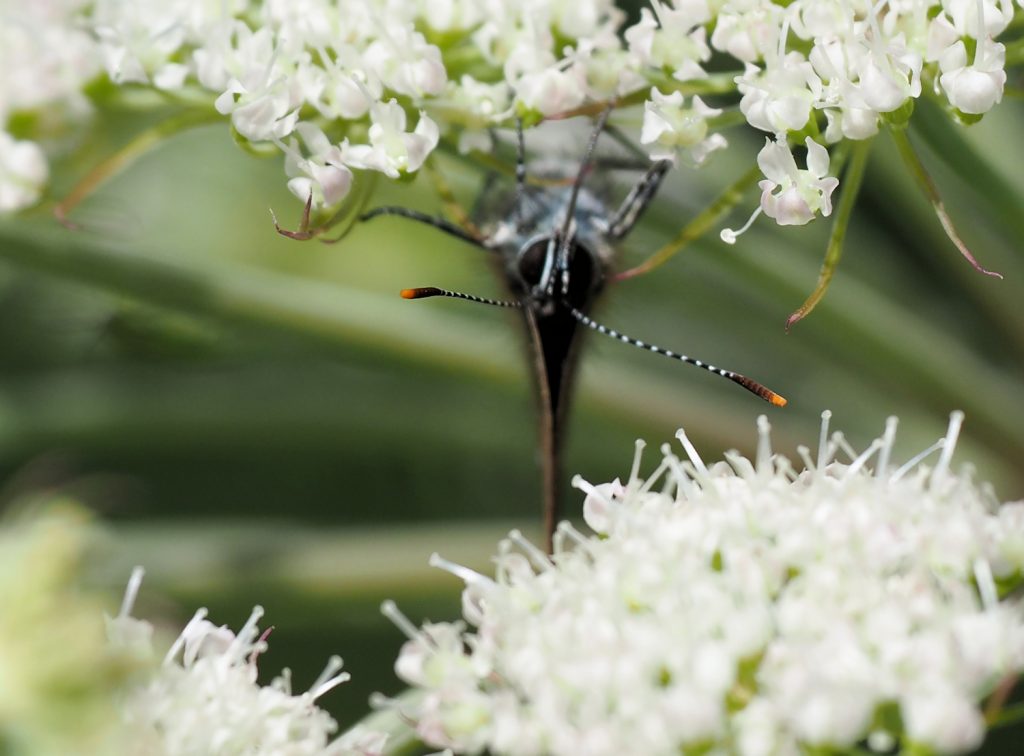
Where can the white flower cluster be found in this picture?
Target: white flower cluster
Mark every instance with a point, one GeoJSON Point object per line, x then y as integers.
{"type": "Point", "coordinates": [204, 697]}
{"type": "Point", "coordinates": [45, 62]}
{"type": "Point", "coordinates": [337, 84]}
{"type": "Point", "coordinates": [293, 72]}
{"type": "Point", "coordinates": [739, 608]}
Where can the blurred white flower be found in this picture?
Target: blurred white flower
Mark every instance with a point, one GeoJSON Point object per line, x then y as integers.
{"type": "Point", "coordinates": [748, 29]}
{"type": "Point", "coordinates": [977, 87]}
{"type": "Point", "coordinates": [23, 173]}
{"type": "Point", "coordinates": [204, 698]}
{"type": "Point", "coordinates": [342, 88]}
{"type": "Point", "coordinates": [477, 107]}
{"type": "Point", "coordinates": [669, 125]}
{"type": "Point", "coordinates": [550, 90]}
{"type": "Point", "coordinates": [45, 59]}
{"type": "Point", "coordinates": [392, 150]}
{"type": "Point", "coordinates": [791, 195]}
{"type": "Point", "coordinates": [781, 97]}
{"type": "Point", "coordinates": [323, 175]}
{"type": "Point", "coordinates": [887, 80]}
{"type": "Point", "coordinates": [406, 63]}
{"type": "Point", "coordinates": [747, 606]}
{"type": "Point", "coordinates": [847, 113]}
{"type": "Point", "coordinates": [261, 96]}
{"type": "Point", "coordinates": [273, 64]}
{"type": "Point", "coordinates": [672, 38]}
{"type": "Point", "coordinates": [965, 15]}
{"type": "Point", "coordinates": [139, 40]}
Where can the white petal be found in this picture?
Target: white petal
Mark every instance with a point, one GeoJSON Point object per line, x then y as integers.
{"type": "Point", "coordinates": [817, 158]}
{"type": "Point", "coordinates": [776, 161]}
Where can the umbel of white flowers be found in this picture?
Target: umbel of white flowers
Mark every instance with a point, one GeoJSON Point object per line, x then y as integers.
{"type": "Point", "coordinates": [744, 607]}
{"type": "Point", "coordinates": [203, 697]}
{"type": "Point", "coordinates": [287, 74]}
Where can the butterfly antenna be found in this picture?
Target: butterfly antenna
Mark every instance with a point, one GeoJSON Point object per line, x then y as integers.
{"type": "Point", "coordinates": [748, 383]}
{"type": "Point", "coordinates": [433, 291]}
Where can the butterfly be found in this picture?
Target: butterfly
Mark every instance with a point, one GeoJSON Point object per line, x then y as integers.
{"type": "Point", "coordinates": [555, 243]}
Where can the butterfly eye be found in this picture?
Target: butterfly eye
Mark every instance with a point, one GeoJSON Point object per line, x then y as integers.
{"type": "Point", "coordinates": [532, 261]}
{"type": "Point", "coordinates": [585, 275]}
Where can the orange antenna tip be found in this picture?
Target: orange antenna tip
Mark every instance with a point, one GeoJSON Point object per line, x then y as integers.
{"type": "Point", "coordinates": [428, 291]}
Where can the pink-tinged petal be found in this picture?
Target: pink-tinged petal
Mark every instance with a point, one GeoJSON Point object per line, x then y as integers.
{"type": "Point", "coordinates": [788, 208]}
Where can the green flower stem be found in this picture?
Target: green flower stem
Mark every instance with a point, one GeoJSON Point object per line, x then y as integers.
{"type": "Point", "coordinates": [852, 180]}
{"type": "Point", "coordinates": [713, 84]}
{"type": "Point", "coordinates": [924, 181]}
{"type": "Point", "coordinates": [128, 154]}
{"type": "Point", "coordinates": [706, 219]}
{"type": "Point", "coordinates": [949, 143]}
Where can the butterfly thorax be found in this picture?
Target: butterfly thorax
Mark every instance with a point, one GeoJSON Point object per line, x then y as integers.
{"type": "Point", "coordinates": [544, 271]}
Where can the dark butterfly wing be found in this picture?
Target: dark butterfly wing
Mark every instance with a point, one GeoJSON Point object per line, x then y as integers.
{"type": "Point", "coordinates": [555, 339]}
{"type": "Point", "coordinates": [555, 342]}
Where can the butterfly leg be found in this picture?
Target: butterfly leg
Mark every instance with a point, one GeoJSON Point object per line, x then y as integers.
{"type": "Point", "coordinates": [441, 224]}
{"type": "Point", "coordinates": [637, 200]}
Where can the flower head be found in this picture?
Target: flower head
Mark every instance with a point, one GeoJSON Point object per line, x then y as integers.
{"type": "Point", "coordinates": [745, 606]}
{"type": "Point", "coordinates": [791, 195]}
{"type": "Point", "coordinates": [973, 88]}
{"type": "Point", "coordinates": [392, 150]}
{"type": "Point", "coordinates": [322, 176]}
{"type": "Point", "coordinates": [23, 173]}
{"type": "Point", "coordinates": [203, 698]}
{"type": "Point", "coordinates": [841, 68]}
{"type": "Point", "coordinates": [780, 98]}
{"type": "Point", "coordinates": [670, 125]}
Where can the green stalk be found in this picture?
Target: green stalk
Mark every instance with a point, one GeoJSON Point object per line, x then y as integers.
{"type": "Point", "coordinates": [852, 180]}
{"type": "Point", "coordinates": [124, 157]}
{"type": "Point", "coordinates": [948, 142]}
{"type": "Point", "coordinates": [924, 181]}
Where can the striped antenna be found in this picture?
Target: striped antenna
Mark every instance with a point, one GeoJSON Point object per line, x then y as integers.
{"type": "Point", "coordinates": [433, 291]}
{"type": "Point", "coordinates": [749, 384]}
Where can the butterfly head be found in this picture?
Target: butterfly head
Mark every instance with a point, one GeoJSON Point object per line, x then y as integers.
{"type": "Point", "coordinates": [551, 273]}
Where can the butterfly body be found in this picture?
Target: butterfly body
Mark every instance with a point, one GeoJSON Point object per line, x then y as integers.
{"type": "Point", "coordinates": [550, 276]}
{"type": "Point", "coordinates": [553, 239]}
